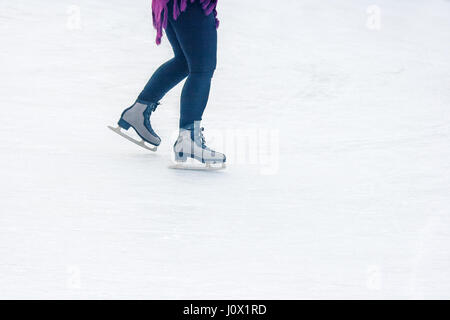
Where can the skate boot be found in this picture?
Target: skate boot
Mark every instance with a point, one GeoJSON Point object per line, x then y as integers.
{"type": "Point", "coordinates": [138, 117]}
{"type": "Point", "coordinates": [191, 144]}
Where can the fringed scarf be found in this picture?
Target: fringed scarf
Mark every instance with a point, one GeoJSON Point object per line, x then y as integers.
{"type": "Point", "coordinates": [160, 13]}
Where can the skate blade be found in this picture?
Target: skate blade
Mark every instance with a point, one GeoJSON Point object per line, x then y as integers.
{"type": "Point", "coordinates": [141, 143]}
{"type": "Point", "coordinates": [200, 167]}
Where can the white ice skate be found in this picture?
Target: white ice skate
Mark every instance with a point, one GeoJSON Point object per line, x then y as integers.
{"type": "Point", "coordinates": [138, 117]}
{"type": "Point", "coordinates": [191, 144]}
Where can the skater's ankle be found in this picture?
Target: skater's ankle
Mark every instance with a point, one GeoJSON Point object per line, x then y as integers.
{"type": "Point", "coordinates": [190, 125]}
{"type": "Point", "coordinates": [146, 102]}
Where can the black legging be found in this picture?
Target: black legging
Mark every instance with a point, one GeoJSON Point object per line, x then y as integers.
{"type": "Point", "coordinates": [193, 37]}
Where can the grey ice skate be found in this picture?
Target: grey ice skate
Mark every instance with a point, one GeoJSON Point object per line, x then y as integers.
{"type": "Point", "coordinates": [191, 144]}
{"type": "Point", "coordinates": [138, 117]}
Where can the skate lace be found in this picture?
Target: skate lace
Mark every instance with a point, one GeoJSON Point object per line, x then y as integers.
{"type": "Point", "coordinates": [202, 137]}
{"type": "Point", "coordinates": [150, 108]}
{"type": "Point", "coordinates": [154, 106]}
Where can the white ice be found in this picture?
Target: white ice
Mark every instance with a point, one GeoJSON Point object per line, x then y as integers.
{"type": "Point", "coordinates": [351, 199]}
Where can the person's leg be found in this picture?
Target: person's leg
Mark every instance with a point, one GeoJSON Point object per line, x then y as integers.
{"type": "Point", "coordinates": [197, 36]}
{"type": "Point", "coordinates": [168, 75]}
{"type": "Point", "coordinates": [165, 78]}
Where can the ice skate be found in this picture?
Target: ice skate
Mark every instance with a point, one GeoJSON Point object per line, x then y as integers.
{"type": "Point", "coordinates": [191, 144]}
{"type": "Point", "coordinates": [138, 117]}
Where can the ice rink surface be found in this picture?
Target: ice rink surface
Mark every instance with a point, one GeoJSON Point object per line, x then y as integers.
{"type": "Point", "coordinates": [350, 199]}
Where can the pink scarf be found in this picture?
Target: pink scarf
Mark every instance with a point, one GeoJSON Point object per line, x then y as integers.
{"type": "Point", "coordinates": [160, 13]}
